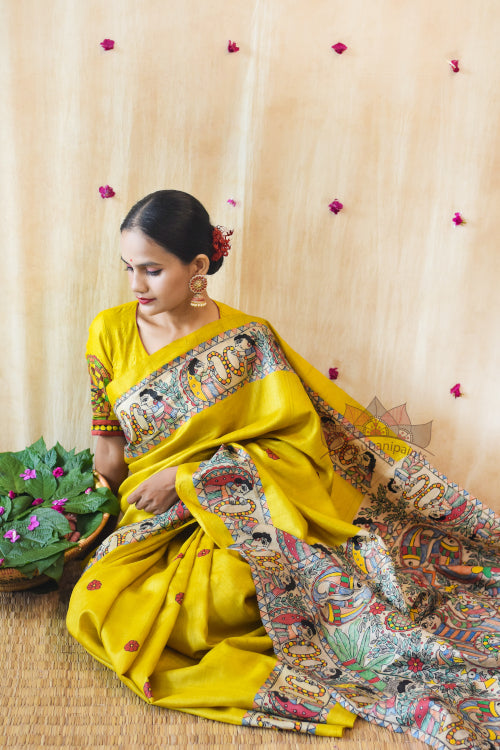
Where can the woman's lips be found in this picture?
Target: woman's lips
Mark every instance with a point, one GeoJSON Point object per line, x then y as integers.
{"type": "Point", "coordinates": [144, 300]}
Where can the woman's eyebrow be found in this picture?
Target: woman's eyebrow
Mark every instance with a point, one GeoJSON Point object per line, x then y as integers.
{"type": "Point", "coordinates": [142, 265]}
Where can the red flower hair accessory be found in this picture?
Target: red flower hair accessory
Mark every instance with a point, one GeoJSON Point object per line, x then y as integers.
{"type": "Point", "coordinates": [220, 242]}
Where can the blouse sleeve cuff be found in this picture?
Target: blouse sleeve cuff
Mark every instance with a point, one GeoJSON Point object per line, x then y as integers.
{"type": "Point", "coordinates": [106, 427]}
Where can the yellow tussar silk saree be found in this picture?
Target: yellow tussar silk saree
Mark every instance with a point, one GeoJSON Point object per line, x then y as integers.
{"type": "Point", "coordinates": [311, 571]}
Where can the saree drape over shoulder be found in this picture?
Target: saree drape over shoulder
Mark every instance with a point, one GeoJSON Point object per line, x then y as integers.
{"type": "Point", "coordinates": [311, 571]}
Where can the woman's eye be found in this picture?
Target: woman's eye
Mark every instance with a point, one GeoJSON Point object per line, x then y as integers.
{"type": "Point", "coordinates": [154, 273]}
{"type": "Point", "coordinates": [128, 268]}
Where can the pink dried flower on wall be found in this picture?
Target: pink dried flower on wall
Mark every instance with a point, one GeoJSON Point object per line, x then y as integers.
{"type": "Point", "coordinates": [106, 191]}
{"type": "Point", "coordinates": [339, 48]}
{"type": "Point", "coordinates": [454, 66]}
{"type": "Point", "coordinates": [107, 44]}
{"type": "Point", "coordinates": [457, 219]}
{"type": "Point", "coordinates": [232, 46]}
{"type": "Point", "coordinates": [456, 390]}
{"type": "Point", "coordinates": [231, 202]}
{"type": "Point", "coordinates": [333, 373]}
{"type": "Point", "coordinates": [336, 206]}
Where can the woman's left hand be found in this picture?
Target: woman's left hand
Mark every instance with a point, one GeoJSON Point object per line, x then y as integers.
{"type": "Point", "coordinates": [156, 494]}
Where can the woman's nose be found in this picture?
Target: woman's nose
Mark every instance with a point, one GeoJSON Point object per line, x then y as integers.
{"type": "Point", "coordinates": [138, 283]}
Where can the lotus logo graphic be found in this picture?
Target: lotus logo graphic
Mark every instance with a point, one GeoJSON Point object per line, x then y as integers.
{"type": "Point", "coordinates": [377, 421]}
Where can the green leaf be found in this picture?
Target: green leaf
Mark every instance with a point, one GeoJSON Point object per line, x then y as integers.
{"type": "Point", "coordinates": [10, 470]}
{"type": "Point", "coordinates": [88, 523]}
{"type": "Point", "coordinates": [32, 452]}
{"type": "Point", "coordinates": [51, 527]}
{"type": "Point", "coordinates": [52, 566]}
{"type": "Point", "coordinates": [44, 485]}
{"type": "Point", "coordinates": [68, 460]}
{"type": "Point", "coordinates": [19, 504]}
{"type": "Point", "coordinates": [20, 556]}
{"type": "Point", "coordinates": [74, 483]}
{"type": "Point", "coordinates": [50, 459]}
{"type": "Point", "coordinates": [6, 504]}
{"type": "Point", "coordinates": [100, 499]}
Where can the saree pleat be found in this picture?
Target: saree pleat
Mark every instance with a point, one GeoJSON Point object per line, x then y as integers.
{"type": "Point", "coordinates": [255, 599]}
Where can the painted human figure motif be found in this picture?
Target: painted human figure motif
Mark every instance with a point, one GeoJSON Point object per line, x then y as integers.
{"type": "Point", "coordinates": [340, 597]}
{"type": "Point", "coordinates": [421, 544]}
{"type": "Point", "coordinates": [236, 501]}
{"type": "Point", "coordinates": [201, 382]}
{"type": "Point", "coordinates": [157, 408]}
{"type": "Point", "coordinates": [247, 350]}
{"type": "Point", "coordinates": [484, 712]}
{"type": "Point", "coordinates": [358, 463]}
{"type": "Point", "coordinates": [479, 646]}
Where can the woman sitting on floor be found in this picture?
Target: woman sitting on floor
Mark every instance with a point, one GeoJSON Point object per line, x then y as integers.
{"type": "Point", "coordinates": [236, 586]}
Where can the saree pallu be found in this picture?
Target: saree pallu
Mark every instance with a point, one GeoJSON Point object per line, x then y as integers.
{"type": "Point", "coordinates": [309, 573]}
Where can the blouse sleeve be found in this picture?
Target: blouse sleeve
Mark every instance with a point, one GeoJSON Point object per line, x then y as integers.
{"type": "Point", "coordinates": [104, 421]}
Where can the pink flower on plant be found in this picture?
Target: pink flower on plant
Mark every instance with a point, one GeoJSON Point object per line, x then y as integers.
{"type": "Point", "coordinates": [37, 501]}
{"type": "Point", "coordinates": [107, 44]}
{"type": "Point", "coordinates": [12, 535]}
{"type": "Point", "coordinates": [454, 66]}
{"type": "Point", "coordinates": [231, 202]}
{"type": "Point", "coordinates": [339, 48]}
{"type": "Point", "coordinates": [232, 46]}
{"type": "Point", "coordinates": [456, 390]}
{"type": "Point", "coordinates": [58, 472]}
{"type": "Point", "coordinates": [457, 219]}
{"type": "Point", "coordinates": [34, 523]}
{"type": "Point", "coordinates": [59, 504]}
{"type": "Point", "coordinates": [106, 191]}
{"type": "Point", "coordinates": [333, 373]}
{"type": "Point", "coordinates": [88, 490]}
{"type": "Point", "coordinates": [2, 560]}
{"type": "Point", "coordinates": [2, 510]}
{"type": "Point", "coordinates": [336, 206]}
{"type": "Point", "coordinates": [11, 495]}
{"type": "Point", "coordinates": [415, 664]}
{"type": "Point", "coordinates": [28, 474]}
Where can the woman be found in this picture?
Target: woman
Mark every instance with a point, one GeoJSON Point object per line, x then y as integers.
{"type": "Point", "coordinates": [236, 587]}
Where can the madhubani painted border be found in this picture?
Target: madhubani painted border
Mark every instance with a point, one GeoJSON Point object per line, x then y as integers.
{"type": "Point", "coordinates": [268, 366]}
{"type": "Point", "coordinates": [200, 349]}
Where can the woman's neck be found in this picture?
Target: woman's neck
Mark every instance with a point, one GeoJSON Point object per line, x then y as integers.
{"type": "Point", "coordinates": [157, 331]}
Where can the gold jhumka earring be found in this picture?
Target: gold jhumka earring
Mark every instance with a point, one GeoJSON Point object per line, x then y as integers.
{"type": "Point", "coordinates": [197, 285]}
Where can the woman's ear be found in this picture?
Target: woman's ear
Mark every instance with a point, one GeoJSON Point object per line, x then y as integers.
{"type": "Point", "coordinates": [200, 264]}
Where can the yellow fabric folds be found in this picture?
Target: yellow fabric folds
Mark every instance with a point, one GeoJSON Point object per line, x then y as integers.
{"type": "Point", "coordinates": [171, 610]}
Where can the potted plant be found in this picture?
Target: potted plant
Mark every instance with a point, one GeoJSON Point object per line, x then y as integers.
{"type": "Point", "coordinates": [53, 507]}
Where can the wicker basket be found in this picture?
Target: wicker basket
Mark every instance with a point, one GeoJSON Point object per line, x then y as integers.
{"type": "Point", "coordinates": [12, 580]}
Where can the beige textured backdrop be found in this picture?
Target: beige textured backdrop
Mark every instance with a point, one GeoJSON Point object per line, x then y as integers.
{"type": "Point", "coordinates": [389, 290]}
